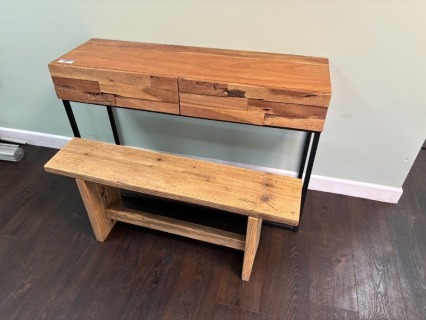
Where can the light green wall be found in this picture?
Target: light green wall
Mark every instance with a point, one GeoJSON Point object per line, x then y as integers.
{"type": "Point", "coordinates": [377, 118]}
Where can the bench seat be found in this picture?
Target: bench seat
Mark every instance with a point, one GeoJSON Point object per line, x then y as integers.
{"type": "Point", "coordinates": [252, 193]}
{"type": "Point", "coordinates": [101, 169]}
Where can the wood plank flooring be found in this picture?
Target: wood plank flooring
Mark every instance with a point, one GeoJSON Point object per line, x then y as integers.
{"type": "Point", "coordinates": [351, 259]}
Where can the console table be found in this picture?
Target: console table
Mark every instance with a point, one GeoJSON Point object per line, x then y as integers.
{"type": "Point", "coordinates": [253, 88]}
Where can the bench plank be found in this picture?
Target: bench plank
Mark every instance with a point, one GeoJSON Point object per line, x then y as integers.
{"type": "Point", "coordinates": [238, 190]}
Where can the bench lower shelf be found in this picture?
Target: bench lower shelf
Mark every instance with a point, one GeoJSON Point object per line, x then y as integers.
{"type": "Point", "coordinates": [178, 227]}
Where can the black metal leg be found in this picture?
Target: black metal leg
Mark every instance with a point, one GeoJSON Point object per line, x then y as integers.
{"type": "Point", "coordinates": [113, 126]}
{"type": "Point", "coordinates": [312, 152]}
{"type": "Point", "coordinates": [71, 118]}
{"type": "Point", "coordinates": [309, 168]}
{"type": "Point", "coordinates": [304, 154]}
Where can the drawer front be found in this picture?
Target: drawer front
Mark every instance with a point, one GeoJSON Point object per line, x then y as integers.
{"type": "Point", "coordinates": [216, 101]}
{"type": "Point", "coordinates": [147, 105]}
{"type": "Point", "coordinates": [86, 97]}
{"type": "Point", "coordinates": [285, 115]}
{"type": "Point", "coordinates": [116, 88]}
{"type": "Point", "coordinates": [219, 108]}
{"type": "Point", "coordinates": [253, 92]}
{"type": "Point", "coordinates": [251, 111]}
{"type": "Point", "coordinates": [138, 92]}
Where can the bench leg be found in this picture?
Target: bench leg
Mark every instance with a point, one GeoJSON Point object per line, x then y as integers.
{"type": "Point", "coordinates": [97, 198]}
{"type": "Point", "coordinates": [254, 226]}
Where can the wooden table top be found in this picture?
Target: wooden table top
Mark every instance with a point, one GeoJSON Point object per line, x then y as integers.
{"type": "Point", "coordinates": [281, 71]}
{"type": "Point", "coordinates": [257, 88]}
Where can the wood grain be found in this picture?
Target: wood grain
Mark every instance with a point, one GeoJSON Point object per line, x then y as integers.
{"type": "Point", "coordinates": [96, 199]}
{"type": "Point", "coordinates": [290, 282]}
{"type": "Point", "coordinates": [221, 312]}
{"type": "Point", "coordinates": [178, 227]}
{"type": "Point", "coordinates": [205, 88]}
{"type": "Point", "coordinates": [254, 225]}
{"type": "Point", "coordinates": [139, 104]}
{"type": "Point", "coordinates": [212, 65]}
{"type": "Point", "coordinates": [203, 101]}
{"type": "Point", "coordinates": [76, 84]}
{"type": "Point", "coordinates": [144, 93]}
{"type": "Point", "coordinates": [165, 83]}
{"type": "Point", "coordinates": [252, 92]}
{"type": "Point", "coordinates": [379, 288]}
{"type": "Point", "coordinates": [237, 190]}
{"type": "Point", "coordinates": [222, 114]}
{"type": "Point", "coordinates": [287, 115]}
{"type": "Point", "coordinates": [333, 281]}
{"type": "Point", "coordinates": [324, 312]}
{"type": "Point", "coordinates": [86, 97]}
{"type": "Point", "coordinates": [100, 75]}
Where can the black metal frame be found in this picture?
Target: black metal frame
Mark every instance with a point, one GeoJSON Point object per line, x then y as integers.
{"type": "Point", "coordinates": [308, 153]}
{"type": "Point", "coordinates": [113, 126]}
{"type": "Point", "coordinates": [71, 118]}
{"type": "Point", "coordinates": [74, 126]}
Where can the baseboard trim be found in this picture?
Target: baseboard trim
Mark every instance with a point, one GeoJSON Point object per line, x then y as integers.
{"type": "Point", "coordinates": [320, 183]}
{"type": "Point", "coordinates": [35, 138]}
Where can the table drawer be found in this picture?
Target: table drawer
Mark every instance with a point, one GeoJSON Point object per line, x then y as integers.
{"type": "Point", "coordinates": [286, 115]}
{"type": "Point", "coordinates": [219, 108]}
{"type": "Point", "coordinates": [116, 88]}
{"type": "Point", "coordinates": [139, 104]}
{"type": "Point", "coordinates": [253, 92]}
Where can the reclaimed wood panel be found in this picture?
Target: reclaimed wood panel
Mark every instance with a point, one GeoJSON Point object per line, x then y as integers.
{"type": "Point", "coordinates": [286, 115]}
{"type": "Point", "coordinates": [247, 192]}
{"type": "Point", "coordinates": [253, 92]}
{"type": "Point", "coordinates": [205, 88]}
{"type": "Point", "coordinates": [284, 72]}
{"type": "Point", "coordinates": [293, 110]}
{"type": "Point", "coordinates": [311, 124]}
{"type": "Point", "coordinates": [144, 93]}
{"type": "Point", "coordinates": [238, 116]}
{"type": "Point", "coordinates": [100, 75]}
{"type": "Point", "coordinates": [213, 102]}
{"type": "Point", "coordinates": [76, 84]}
{"type": "Point", "coordinates": [139, 104]}
{"type": "Point", "coordinates": [166, 83]}
{"type": "Point", "coordinates": [86, 97]}
{"type": "Point", "coordinates": [200, 80]}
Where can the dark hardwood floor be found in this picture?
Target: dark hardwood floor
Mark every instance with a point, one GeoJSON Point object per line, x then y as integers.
{"type": "Point", "coordinates": [351, 259]}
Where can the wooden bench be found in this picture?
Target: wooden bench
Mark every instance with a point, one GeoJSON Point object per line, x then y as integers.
{"type": "Point", "coordinates": [101, 169]}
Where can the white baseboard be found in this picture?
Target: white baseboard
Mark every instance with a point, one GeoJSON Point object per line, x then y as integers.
{"type": "Point", "coordinates": [356, 189]}
{"type": "Point", "coordinates": [34, 138]}
{"type": "Point", "coordinates": [320, 183]}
